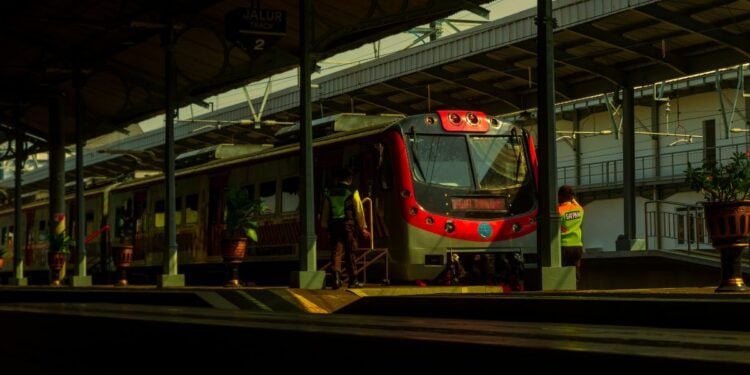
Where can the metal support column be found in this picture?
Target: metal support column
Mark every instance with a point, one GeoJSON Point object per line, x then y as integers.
{"type": "Point", "coordinates": [80, 278]}
{"type": "Point", "coordinates": [657, 170]}
{"type": "Point", "coordinates": [628, 162]}
{"type": "Point", "coordinates": [307, 277]}
{"type": "Point", "coordinates": [20, 158]}
{"type": "Point", "coordinates": [577, 145]}
{"type": "Point", "coordinates": [746, 95]}
{"type": "Point", "coordinates": [56, 139]}
{"type": "Point", "coordinates": [552, 276]}
{"type": "Point", "coordinates": [170, 277]}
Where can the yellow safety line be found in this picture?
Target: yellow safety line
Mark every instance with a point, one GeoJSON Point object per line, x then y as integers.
{"type": "Point", "coordinates": [359, 292]}
{"type": "Point", "coordinates": [307, 304]}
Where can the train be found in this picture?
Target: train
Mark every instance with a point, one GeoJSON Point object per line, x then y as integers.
{"type": "Point", "coordinates": [439, 185]}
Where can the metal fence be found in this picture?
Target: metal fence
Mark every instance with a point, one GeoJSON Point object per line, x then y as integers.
{"type": "Point", "coordinates": [649, 168]}
{"type": "Point", "coordinates": [675, 225]}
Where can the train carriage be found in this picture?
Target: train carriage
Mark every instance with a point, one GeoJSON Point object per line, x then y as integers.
{"type": "Point", "coordinates": [449, 182]}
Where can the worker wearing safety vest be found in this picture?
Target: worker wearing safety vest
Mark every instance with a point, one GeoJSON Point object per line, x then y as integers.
{"type": "Point", "coordinates": [344, 217]}
{"type": "Point", "coordinates": [571, 239]}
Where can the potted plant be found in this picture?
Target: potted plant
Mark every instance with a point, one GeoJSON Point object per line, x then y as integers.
{"type": "Point", "coordinates": [59, 249]}
{"type": "Point", "coordinates": [726, 190]}
{"type": "Point", "coordinates": [239, 226]}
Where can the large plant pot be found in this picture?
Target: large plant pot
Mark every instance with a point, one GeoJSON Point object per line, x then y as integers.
{"type": "Point", "coordinates": [233, 251]}
{"type": "Point", "coordinates": [56, 265]}
{"type": "Point", "coordinates": [122, 256]}
{"type": "Point", "coordinates": [729, 227]}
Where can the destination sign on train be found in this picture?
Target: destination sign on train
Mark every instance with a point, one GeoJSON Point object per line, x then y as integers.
{"type": "Point", "coordinates": [479, 204]}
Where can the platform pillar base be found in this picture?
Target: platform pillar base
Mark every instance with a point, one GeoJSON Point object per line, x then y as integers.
{"type": "Point", "coordinates": [308, 279]}
{"type": "Point", "coordinates": [24, 281]}
{"type": "Point", "coordinates": [171, 281]}
{"type": "Point", "coordinates": [558, 278]}
{"type": "Point", "coordinates": [80, 281]}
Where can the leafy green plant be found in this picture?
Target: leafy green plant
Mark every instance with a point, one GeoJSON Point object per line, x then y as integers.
{"type": "Point", "coordinates": [725, 183]}
{"type": "Point", "coordinates": [60, 243]}
{"type": "Point", "coordinates": [2, 252]}
{"type": "Point", "coordinates": [241, 211]}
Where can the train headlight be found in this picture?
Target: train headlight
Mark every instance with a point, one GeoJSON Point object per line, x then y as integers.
{"type": "Point", "coordinates": [429, 220]}
{"type": "Point", "coordinates": [450, 227]}
{"type": "Point", "coordinates": [516, 227]}
{"type": "Point", "coordinates": [405, 193]}
{"type": "Point", "coordinates": [454, 118]}
{"type": "Point", "coordinates": [495, 123]}
{"type": "Point", "coordinates": [472, 119]}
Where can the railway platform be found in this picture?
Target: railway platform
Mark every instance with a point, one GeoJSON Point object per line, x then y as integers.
{"type": "Point", "coordinates": [374, 329]}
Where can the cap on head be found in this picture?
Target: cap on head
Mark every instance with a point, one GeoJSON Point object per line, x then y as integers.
{"type": "Point", "coordinates": [565, 193]}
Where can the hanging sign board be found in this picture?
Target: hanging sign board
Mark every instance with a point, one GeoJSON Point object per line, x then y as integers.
{"type": "Point", "coordinates": [255, 29]}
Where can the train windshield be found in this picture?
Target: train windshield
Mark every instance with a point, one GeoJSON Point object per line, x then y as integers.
{"type": "Point", "coordinates": [482, 163]}
{"type": "Point", "coordinates": [441, 160]}
{"type": "Point", "coordinates": [499, 162]}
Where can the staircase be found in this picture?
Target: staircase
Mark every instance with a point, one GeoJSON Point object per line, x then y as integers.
{"type": "Point", "coordinates": [364, 257]}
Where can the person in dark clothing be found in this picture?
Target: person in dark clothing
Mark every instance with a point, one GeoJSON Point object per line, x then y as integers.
{"type": "Point", "coordinates": [344, 217]}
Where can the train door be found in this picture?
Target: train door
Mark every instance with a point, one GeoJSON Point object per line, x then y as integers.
{"type": "Point", "coordinates": [215, 217]}
{"type": "Point", "coordinates": [381, 186]}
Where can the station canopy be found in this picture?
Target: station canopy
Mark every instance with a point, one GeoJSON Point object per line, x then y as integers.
{"type": "Point", "coordinates": [116, 49]}
{"type": "Point", "coordinates": [600, 46]}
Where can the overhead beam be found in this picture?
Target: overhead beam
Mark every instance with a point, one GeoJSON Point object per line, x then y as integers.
{"type": "Point", "coordinates": [613, 75]}
{"type": "Point", "coordinates": [508, 69]}
{"type": "Point", "coordinates": [738, 43]}
{"type": "Point", "coordinates": [422, 94]}
{"type": "Point", "coordinates": [373, 28]}
{"type": "Point", "coordinates": [482, 88]}
{"type": "Point", "coordinates": [383, 103]}
{"type": "Point", "coordinates": [617, 40]}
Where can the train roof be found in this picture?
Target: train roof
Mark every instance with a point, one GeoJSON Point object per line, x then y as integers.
{"type": "Point", "coordinates": [220, 151]}
{"type": "Point", "coordinates": [346, 132]}
{"type": "Point", "coordinates": [342, 122]}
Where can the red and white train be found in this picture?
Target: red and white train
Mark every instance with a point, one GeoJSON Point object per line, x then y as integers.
{"type": "Point", "coordinates": [454, 181]}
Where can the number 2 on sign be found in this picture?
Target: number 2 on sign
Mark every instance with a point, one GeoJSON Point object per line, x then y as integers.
{"type": "Point", "coordinates": [259, 44]}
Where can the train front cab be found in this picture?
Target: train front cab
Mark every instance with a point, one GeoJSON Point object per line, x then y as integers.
{"type": "Point", "coordinates": [463, 184]}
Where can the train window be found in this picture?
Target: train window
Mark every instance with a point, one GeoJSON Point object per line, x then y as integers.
{"type": "Point", "coordinates": [268, 197]}
{"type": "Point", "coordinates": [89, 222]}
{"type": "Point", "coordinates": [499, 162]}
{"type": "Point", "coordinates": [250, 191]}
{"type": "Point", "coordinates": [42, 234]}
{"type": "Point", "coordinates": [440, 160]}
{"type": "Point", "coordinates": [191, 209]}
{"type": "Point", "coordinates": [159, 214]}
{"type": "Point", "coordinates": [178, 211]}
{"type": "Point", "coordinates": [385, 169]}
{"type": "Point", "coordinates": [121, 222]}
{"type": "Point", "coordinates": [290, 194]}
